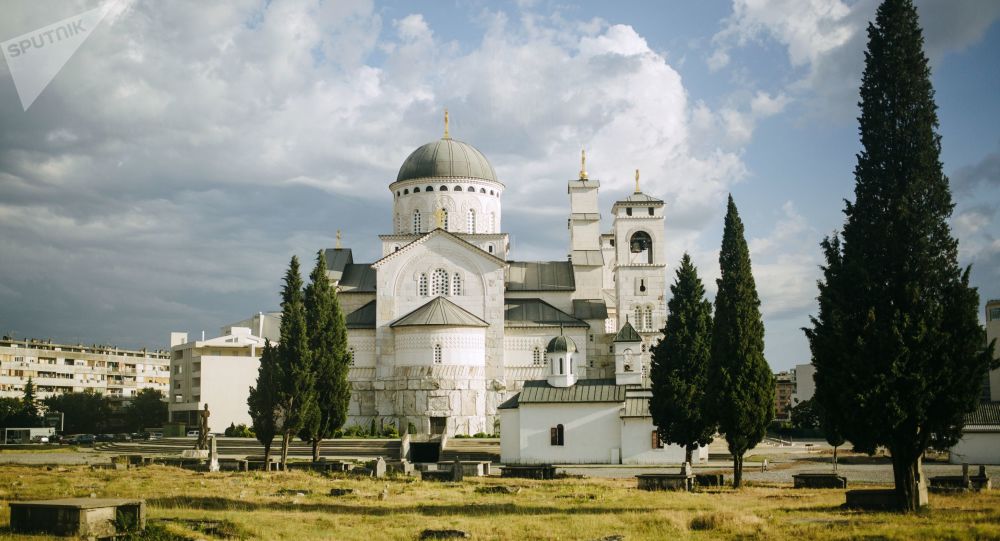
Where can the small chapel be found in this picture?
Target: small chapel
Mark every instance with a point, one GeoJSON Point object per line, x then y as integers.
{"type": "Point", "coordinates": [447, 326]}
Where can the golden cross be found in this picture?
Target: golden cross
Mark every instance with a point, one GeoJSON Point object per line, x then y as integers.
{"type": "Point", "coordinates": [446, 135]}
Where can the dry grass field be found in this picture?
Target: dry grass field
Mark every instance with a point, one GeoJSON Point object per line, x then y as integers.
{"type": "Point", "coordinates": [189, 505]}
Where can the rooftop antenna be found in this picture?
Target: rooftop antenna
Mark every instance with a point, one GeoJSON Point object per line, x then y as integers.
{"type": "Point", "coordinates": [446, 134]}
{"type": "Point", "coordinates": [637, 181]}
{"type": "Point", "coordinates": [583, 164]}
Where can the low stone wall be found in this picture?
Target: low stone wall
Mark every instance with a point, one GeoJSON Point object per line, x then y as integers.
{"type": "Point", "coordinates": [819, 480]}
{"type": "Point", "coordinates": [665, 481]}
{"type": "Point", "coordinates": [539, 471]}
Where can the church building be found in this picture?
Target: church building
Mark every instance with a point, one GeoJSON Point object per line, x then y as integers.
{"type": "Point", "coordinates": [447, 324]}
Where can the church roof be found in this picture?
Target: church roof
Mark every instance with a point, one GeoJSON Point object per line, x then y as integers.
{"type": "Point", "coordinates": [639, 198]}
{"type": "Point", "coordinates": [536, 313]}
{"type": "Point", "coordinates": [510, 403]}
{"type": "Point", "coordinates": [561, 344]}
{"type": "Point", "coordinates": [627, 334]}
{"type": "Point", "coordinates": [540, 276]}
{"type": "Point", "coordinates": [440, 311]}
{"type": "Point", "coordinates": [434, 234]}
{"type": "Point", "coordinates": [636, 407]}
{"type": "Point", "coordinates": [590, 309]}
{"type": "Point", "coordinates": [336, 260]}
{"type": "Point", "coordinates": [986, 418]}
{"type": "Point", "coordinates": [584, 390]}
{"type": "Point", "coordinates": [446, 158]}
{"type": "Point", "coordinates": [358, 278]}
{"type": "Point", "coordinates": [362, 318]}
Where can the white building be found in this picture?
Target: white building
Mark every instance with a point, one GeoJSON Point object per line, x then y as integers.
{"type": "Point", "coordinates": [218, 372]}
{"type": "Point", "coordinates": [567, 420]}
{"type": "Point", "coordinates": [445, 325]}
{"type": "Point", "coordinates": [980, 443]}
{"type": "Point", "coordinates": [65, 368]}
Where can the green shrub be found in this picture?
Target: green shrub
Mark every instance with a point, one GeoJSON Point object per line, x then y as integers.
{"type": "Point", "coordinates": [240, 431]}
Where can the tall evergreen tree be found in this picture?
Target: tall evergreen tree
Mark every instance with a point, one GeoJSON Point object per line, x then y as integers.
{"type": "Point", "coordinates": [679, 369]}
{"type": "Point", "coordinates": [897, 344]}
{"type": "Point", "coordinates": [263, 403]}
{"type": "Point", "coordinates": [740, 378]}
{"type": "Point", "coordinates": [296, 396]}
{"type": "Point", "coordinates": [29, 404]}
{"type": "Point", "coordinates": [327, 333]}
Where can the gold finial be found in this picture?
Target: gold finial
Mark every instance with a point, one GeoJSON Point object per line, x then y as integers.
{"type": "Point", "coordinates": [338, 239]}
{"type": "Point", "coordinates": [637, 181]}
{"type": "Point", "coordinates": [583, 164]}
{"type": "Point", "coordinates": [446, 135]}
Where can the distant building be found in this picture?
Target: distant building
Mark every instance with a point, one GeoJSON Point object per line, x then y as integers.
{"type": "Point", "coordinates": [805, 385]}
{"type": "Point", "coordinates": [64, 368]}
{"type": "Point", "coordinates": [992, 387]}
{"type": "Point", "coordinates": [569, 420]}
{"type": "Point", "coordinates": [262, 325]}
{"type": "Point", "coordinates": [218, 371]}
{"type": "Point", "coordinates": [784, 387]}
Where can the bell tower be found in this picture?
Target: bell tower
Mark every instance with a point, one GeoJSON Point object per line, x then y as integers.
{"type": "Point", "coordinates": [640, 270]}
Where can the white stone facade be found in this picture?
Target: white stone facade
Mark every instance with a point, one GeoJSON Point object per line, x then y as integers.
{"type": "Point", "coordinates": [448, 374]}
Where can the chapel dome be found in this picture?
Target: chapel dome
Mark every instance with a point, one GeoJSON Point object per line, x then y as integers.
{"type": "Point", "coordinates": [446, 157]}
{"type": "Point", "coordinates": [561, 344]}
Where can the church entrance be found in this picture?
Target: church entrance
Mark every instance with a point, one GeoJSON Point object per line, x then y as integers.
{"type": "Point", "coordinates": [439, 425]}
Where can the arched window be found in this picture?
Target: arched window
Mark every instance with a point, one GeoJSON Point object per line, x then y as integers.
{"type": "Point", "coordinates": [638, 318]}
{"type": "Point", "coordinates": [491, 192]}
{"type": "Point", "coordinates": [650, 211]}
{"type": "Point", "coordinates": [422, 285]}
{"type": "Point", "coordinates": [444, 219]}
{"type": "Point", "coordinates": [470, 221]}
{"type": "Point", "coordinates": [648, 322]}
{"type": "Point", "coordinates": [640, 247]}
{"type": "Point", "coordinates": [416, 190]}
{"type": "Point", "coordinates": [406, 191]}
{"type": "Point", "coordinates": [418, 224]}
{"type": "Point", "coordinates": [439, 283]}
{"type": "Point", "coordinates": [490, 248]}
{"type": "Point", "coordinates": [350, 356]}
{"type": "Point", "coordinates": [443, 189]}
{"type": "Point", "coordinates": [482, 190]}
{"type": "Point", "coordinates": [429, 189]}
{"type": "Point", "coordinates": [556, 434]}
{"type": "Point", "coordinates": [399, 223]}
{"type": "Point", "coordinates": [536, 356]}
{"type": "Point", "coordinates": [628, 211]}
{"type": "Point", "coordinates": [437, 354]}
{"type": "Point", "coordinates": [456, 284]}
{"type": "Point", "coordinates": [471, 189]}
{"type": "Point", "coordinates": [562, 368]}
{"type": "Point", "coordinates": [397, 193]}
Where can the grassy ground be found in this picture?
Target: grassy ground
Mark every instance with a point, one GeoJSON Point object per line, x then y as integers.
{"type": "Point", "coordinates": [254, 506]}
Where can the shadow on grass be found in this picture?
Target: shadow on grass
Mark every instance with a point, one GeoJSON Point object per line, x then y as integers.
{"type": "Point", "coordinates": [215, 503]}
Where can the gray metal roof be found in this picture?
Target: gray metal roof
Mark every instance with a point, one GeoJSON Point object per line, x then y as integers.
{"type": "Point", "coordinates": [627, 334]}
{"type": "Point", "coordinates": [362, 318]}
{"type": "Point", "coordinates": [336, 260]}
{"type": "Point", "coordinates": [540, 276]}
{"type": "Point", "coordinates": [986, 418]}
{"type": "Point", "coordinates": [358, 278]}
{"type": "Point", "coordinates": [510, 403]}
{"type": "Point", "coordinates": [587, 257]}
{"type": "Point", "coordinates": [590, 309]}
{"type": "Point", "coordinates": [440, 311]}
{"type": "Point", "coordinates": [639, 198]}
{"type": "Point", "coordinates": [561, 344]}
{"type": "Point", "coordinates": [636, 407]}
{"type": "Point", "coordinates": [446, 158]}
{"type": "Point", "coordinates": [584, 390]}
{"type": "Point", "coordinates": [536, 313]}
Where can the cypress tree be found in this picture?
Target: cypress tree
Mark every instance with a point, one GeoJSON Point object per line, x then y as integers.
{"type": "Point", "coordinates": [740, 378]}
{"type": "Point", "coordinates": [679, 371]}
{"type": "Point", "coordinates": [897, 344]}
{"type": "Point", "coordinates": [29, 404]}
{"type": "Point", "coordinates": [327, 333]}
{"type": "Point", "coordinates": [296, 395]}
{"type": "Point", "coordinates": [263, 400]}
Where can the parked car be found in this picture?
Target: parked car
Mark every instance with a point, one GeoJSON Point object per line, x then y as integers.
{"type": "Point", "coordinates": [140, 435]}
{"type": "Point", "coordinates": [85, 439]}
{"type": "Point", "coordinates": [104, 438]}
{"type": "Point", "coordinates": [123, 437]}
{"type": "Point", "coordinates": [192, 433]}
{"type": "Point", "coordinates": [40, 439]}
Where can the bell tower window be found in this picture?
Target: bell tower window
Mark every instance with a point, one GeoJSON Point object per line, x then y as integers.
{"type": "Point", "coordinates": [418, 225]}
{"type": "Point", "coordinates": [422, 285]}
{"type": "Point", "coordinates": [437, 354]}
{"type": "Point", "coordinates": [640, 248]}
{"type": "Point", "coordinates": [439, 283]}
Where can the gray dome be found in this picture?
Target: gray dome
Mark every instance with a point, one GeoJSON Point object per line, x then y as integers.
{"type": "Point", "coordinates": [446, 158]}
{"type": "Point", "coordinates": [561, 344]}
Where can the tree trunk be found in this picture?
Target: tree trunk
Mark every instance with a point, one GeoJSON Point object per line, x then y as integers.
{"type": "Point", "coordinates": [906, 471]}
{"type": "Point", "coordinates": [688, 451]}
{"type": "Point", "coordinates": [285, 439]}
{"type": "Point", "coordinates": [315, 444]}
{"type": "Point", "coordinates": [737, 470]}
{"type": "Point", "coordinates": [834, 459]}
{"type": "Point", "coordinates": [267, 456]}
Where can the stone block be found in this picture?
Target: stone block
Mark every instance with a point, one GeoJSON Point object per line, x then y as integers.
{"type": "Point", "coordinates": [665, 481]}
{"type": "Point", "coordinates": [872, 499]}
{"type": "Point", "coordinates": [529, 471]}
{"type": "Point", "coordinates": [819, 480]}
{"type": "Point", "coordinates": [87, 518]}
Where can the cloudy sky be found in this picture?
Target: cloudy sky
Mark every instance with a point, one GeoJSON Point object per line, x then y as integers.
{"type": "Point", "coordinates": [189, 148]}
